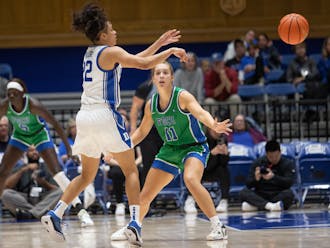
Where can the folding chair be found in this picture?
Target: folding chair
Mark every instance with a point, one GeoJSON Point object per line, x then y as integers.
{"type": "Point", "coordinates": [240, 160]}
{"type": "Point", "coordinates": [314, 166]}
{"type": "Point", "coordinates": [251, 90]}
{"type": "Point", "coordinates": [273, 75]}
{"type": "Point", "coordinates": [175, 189]}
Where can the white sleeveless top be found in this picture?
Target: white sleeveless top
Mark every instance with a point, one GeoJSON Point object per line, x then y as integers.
{"type": "Point", "coordinates": [100, 86]}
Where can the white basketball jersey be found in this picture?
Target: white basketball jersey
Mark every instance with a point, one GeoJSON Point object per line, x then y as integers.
{"type": "Point", "coordinates": [100, 86]}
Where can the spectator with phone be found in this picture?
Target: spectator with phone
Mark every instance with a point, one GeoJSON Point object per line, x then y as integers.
{"type": "Point", "coordinates": [30, 191]}
{"type": "Point", "coordinates": [269, 182]}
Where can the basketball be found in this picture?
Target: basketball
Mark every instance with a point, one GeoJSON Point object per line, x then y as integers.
{"type": "Point", "coordinates": [293, 28]}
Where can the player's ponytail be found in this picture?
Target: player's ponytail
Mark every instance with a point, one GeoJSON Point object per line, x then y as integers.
{"type": "Point", "coordinates": [91, 20]}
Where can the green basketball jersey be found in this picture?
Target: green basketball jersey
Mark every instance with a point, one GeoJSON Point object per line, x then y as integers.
{"type": "Point", "coordinates": [25, 123]}
{"type": "Point", "coordinates": [175, 126]}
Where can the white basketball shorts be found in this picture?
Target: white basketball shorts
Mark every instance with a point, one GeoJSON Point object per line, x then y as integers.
{"type": "Point", "coordinates": [100, 129]}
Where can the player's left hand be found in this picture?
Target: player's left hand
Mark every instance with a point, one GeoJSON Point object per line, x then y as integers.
{"type": "Point", "coordinates": [222, 127]}
{"type": "Point", "coordinates": [169, 37]}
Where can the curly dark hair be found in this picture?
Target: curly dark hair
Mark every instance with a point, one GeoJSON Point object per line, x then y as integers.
{"type": "Point", "coordinates": [91, 20]}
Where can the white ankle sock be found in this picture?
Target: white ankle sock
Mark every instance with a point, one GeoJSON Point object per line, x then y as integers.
{"type": "Point", "coordinates": [215, 221]}
{"type": "Point", "coordinates": [135, 213]}
{"type": "Point", "coordinates": [62, 181]}
{"type": "Point", "coordinates": [60, 209]}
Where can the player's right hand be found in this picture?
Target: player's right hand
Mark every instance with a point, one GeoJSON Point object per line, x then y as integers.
{"type": "Point", "coordinates": [180, 53]}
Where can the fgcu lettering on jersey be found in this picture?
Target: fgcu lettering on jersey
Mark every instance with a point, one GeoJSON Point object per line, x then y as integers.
{"type": "Point", "coordinates": [175, 126]}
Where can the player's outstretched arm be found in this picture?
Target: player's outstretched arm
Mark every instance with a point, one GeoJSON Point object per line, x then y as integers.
{"type": "Point", "coordinates": [166, 38]}
{"type": "Point", "coordinates": [146, 124]}
{"type": "Point", "coordinates": [114, 55]}
{"type": "Point", "coordinates": [38, 109]}
{"type": "Point", "coordinates": [188, 102]}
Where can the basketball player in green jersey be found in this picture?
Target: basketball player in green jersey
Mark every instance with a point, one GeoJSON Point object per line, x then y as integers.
{"type": "Point", "coordinates": [28, 117]}
{"type": "Point", "coordinates": [177, 116]}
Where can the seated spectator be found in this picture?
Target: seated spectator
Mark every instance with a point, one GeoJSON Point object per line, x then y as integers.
{"type": "Point", "coordinates": [269, 181]}
{"type": "Point", "coordinates": [247, 39]}
{"type": "Point", "coordinates": [269, 54]}
{"type": "Point", "coordinates": [244, 134]}
{"type": "Point", "coordinates": [324, 65]}
{"type": "Point", "coordinates": [251, 69]}
{"type": "Point", "coordinates": [303, 70]}
{"type": "Point", "coordinates": [3, 87]}
{"type": "Point", "coordinates": [221, 84]}
{"type": "Point", "coordinates": [4, 134]}
{"type": "Point", "coordinates": [216, 170]}
{"type": "Point", "coordinates": [240, 51]}
{"type": "Point", "coordinates": [205, 66]}
{"type": "Point", "coordinates": [190, 77]}
{"type": "Point", "coordinates": [30, 191]}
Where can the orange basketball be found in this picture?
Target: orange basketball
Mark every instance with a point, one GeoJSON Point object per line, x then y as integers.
{"type": "Point", "coordinates": [293, 28]}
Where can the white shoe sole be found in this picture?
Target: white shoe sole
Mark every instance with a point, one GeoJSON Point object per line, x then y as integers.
{"type": "Point", "coordinates": [48, 224]}
{"type": "Point", "coordinates": [84, 224]}
{"type": "Point", "coordinates": [131, 237]}
{"type": "Point", "coordinates": [119, 235]}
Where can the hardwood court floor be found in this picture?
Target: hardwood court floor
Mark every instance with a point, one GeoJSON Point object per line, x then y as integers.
{"type": "Point", "coordinates": [296, 228]}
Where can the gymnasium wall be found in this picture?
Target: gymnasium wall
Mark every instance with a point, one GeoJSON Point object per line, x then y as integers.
{"type": "Point", "coordinates": [37, 40]}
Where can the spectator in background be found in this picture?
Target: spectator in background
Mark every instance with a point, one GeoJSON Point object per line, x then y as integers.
{"type": "Point", "coordinates": [244, 134]}
{"type": "Point", "coordinates": [303, 70]}
{"type": "Point", "coordinates": [240, 51]}
{"type": "Point", "coordinates": [252, 67]}
{"type": "Point", "coordinates": [4, 134]}
{"type": "Point", "coordinates": [71, 132]}
{"type": "Point", "coordinates": [324, 64]}
{"type": "Point", "coordinates": [3, 87]}
{"type": "Point", "coordinates": [247, 39]}
{"type": "Point", "coordinates": [191, 77]}
{"type": "Point", "coordinates": [30, 191]}
{"type": "Point", "coordinates": [269, 181]}
{"type": "Point", "coordinates": [205, 66]}
{"type": "Point", "coordinates": [269, 54]}
{"type": "Point", "coordinates": [221, 84]}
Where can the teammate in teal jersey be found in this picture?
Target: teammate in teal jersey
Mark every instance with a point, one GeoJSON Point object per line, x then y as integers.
{"type": "Point", "coordinates": [177, 116]}
{"type": "Point", "coordinates": [27, 116]}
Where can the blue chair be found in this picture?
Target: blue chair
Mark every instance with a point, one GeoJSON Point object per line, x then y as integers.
{"type": "Point", "coordinates": [280, 89]}
{"type": "Point", "coordinates": [273, 75]}
{"type": "Point", "coordinates": [316, 57]}
{"type": "Point", "coordinates": [251, 90]}
{"type": "Point", "coordinates": [314, 166]}
{"type": "Point", "coordinates": [301, 88]}
{"type": "Point", "coordinates": [240, 160]}
{"type": "Point", "coordinates": [286, 59]}
{"type": "Point", "coordinates": [6, 71]}
{"type": "Point", "coordinates": [174, 190]}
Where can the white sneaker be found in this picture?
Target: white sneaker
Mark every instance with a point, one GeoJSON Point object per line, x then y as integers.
{"type": "Point", "coordinates": [247, 207]}
{"type": "Point", "coordinates": [218, 232]}
{"type": "Point", "coordinates": [277, 206]}
{"type": "Point", "coordinates": [85, 218]}
{"type": "Point", "coordinates": [120, 209]}
{"type": "Point", "coordinates": [189, 205]}
{"type": "Point", "coordinates": [222, 206]}
{"type": "Point", "coordinates": [119, 235]}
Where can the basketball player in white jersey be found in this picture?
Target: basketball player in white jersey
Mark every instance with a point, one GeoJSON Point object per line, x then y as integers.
{"type": "Point", "coordinates": [100, 128]}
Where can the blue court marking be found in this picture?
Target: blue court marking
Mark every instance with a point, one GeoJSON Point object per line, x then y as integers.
{"type": "Point", "coordinates": [276, 220]}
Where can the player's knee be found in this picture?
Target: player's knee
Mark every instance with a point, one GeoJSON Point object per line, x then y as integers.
{"type": "Point", "coordinates": [190, 180]}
